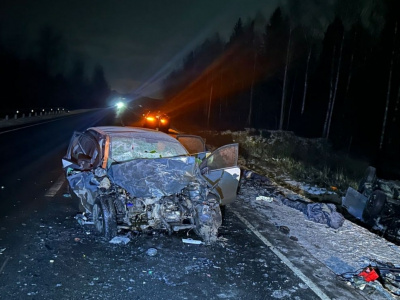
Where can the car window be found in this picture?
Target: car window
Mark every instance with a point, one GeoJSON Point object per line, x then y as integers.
{"type": "Point", "coordinates": [224, 157]}
{"type": "Point", "coordinates": [193, 144]}
{"type": "Point", "coordinates": [125, 148]}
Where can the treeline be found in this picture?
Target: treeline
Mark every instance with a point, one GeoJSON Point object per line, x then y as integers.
{"type": "Point", "coordinates": [342, 85]}
{"type": "Point", "coordinates": [46, 77]}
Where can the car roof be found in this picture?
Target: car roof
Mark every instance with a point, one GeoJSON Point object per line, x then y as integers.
{"type": "Point", "coordinates": [117, 130]}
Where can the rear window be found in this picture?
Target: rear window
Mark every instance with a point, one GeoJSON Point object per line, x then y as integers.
{"type": "Point", "coordinates": [125, 148]}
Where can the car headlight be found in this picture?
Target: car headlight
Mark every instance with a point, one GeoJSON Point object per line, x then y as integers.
{"type": "Point", "coordinates": [150, 119]}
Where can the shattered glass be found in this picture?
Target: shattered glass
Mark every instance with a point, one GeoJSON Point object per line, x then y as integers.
{"type": "Point", "coordinates": [125, 148]}
{"type": "Point", "coordinates": [154, 178]}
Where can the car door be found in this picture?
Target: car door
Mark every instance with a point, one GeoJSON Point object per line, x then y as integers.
{"type": "Point", "coordinates": [83, 152]}
{"type": "Point", "coordinates": [83, 156]}
{"type": "Point", "coordinates": [194, 144]}
{"type": "Point", "coordinates": [220, 169]}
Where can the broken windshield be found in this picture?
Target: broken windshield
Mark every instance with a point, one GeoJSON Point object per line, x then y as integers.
{"type": "Point", "coordinates": [125, 148]}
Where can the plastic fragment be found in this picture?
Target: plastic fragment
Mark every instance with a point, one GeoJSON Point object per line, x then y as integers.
{"type": "Point", "coordinates": [191, 241]}
{"type": "Point", "coordinates": [151, 251]}
{"type": "Point", "coordinates": [120, 240]}
{"type": "Point", "coordinates": [82, 219]}
{"type": "Point", "coordinates": [264, 198]}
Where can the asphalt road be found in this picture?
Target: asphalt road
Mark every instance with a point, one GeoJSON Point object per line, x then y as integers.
{"type": "Point", "coordinates": [46, 254]}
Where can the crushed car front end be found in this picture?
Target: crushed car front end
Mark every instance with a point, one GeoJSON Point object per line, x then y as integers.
{"type": "Point", "coordinates": [146, 187]}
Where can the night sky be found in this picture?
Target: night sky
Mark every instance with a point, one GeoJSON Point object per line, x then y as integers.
{"type": "Point", "coordinates": [136, 42]}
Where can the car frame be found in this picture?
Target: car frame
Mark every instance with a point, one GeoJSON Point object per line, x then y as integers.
{"type": "Point", "coordinates": [124, 185]}
{"type": "Point", "coordinates": [376, 203]}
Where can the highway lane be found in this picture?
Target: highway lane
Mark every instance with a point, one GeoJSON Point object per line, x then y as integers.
{"type": "Point", "coordinates": [31, 158]}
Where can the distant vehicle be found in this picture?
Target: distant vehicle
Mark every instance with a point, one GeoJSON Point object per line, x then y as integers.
{"type": "Point", "coordinates": [156, 120]}
{"type": "Point", "coordinates": [376, 202]}
{"type": "Point", "coordinates": [145, 180]}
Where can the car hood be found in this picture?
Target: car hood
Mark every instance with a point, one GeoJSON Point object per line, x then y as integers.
{"type": "Point", "coordinates": [154, 177]}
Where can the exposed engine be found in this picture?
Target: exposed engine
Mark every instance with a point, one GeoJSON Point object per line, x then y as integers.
{"type": "Point", "coordinates": [171, 213]}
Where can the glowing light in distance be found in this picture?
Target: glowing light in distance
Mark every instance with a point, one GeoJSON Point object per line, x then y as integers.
{"type": "Point", "coordinates": [120, 105]}
{"type": "Point", "coordinates": [151, 119]}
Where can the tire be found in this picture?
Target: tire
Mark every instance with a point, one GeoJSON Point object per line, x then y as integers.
{"type": "Point", "coordinates": [223, 212]}
{"type": "Point", "coordinates": [104, 218]}
{"type": "Point", "coordinates": [368, 179]}
{"type": "Point", "coordinates": [207, 229]}
{"type": "Point", "coordinates": [374, 206]}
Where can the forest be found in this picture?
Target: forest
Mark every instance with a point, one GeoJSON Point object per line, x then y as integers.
{"type": "Point", "coordinates": [336, 79]}
{"type": "Point", "coordinates": [46, 76]}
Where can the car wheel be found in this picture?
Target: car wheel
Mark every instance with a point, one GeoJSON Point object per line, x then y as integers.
{"type": "Point", "coordinates": [104, 219]}
{"type": "Point", "coordinates": [207, 224]}
{"type": "Point", "coordinates": [374, 206]}
{"type": "Point", "coordinates": [368, 179]}
{"type": "Point", "coordinates": [223, 212]}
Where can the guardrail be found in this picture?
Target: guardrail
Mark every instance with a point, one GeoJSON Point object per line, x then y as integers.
{"type": "Point", "coordinates": [27, 113]}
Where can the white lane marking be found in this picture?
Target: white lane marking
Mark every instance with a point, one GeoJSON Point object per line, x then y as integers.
{"type": "Point", "coordinates": [284, 259]}
{"type": "Point", "coordinates": [53, 120]}
{"type": "Point", "coordinates": [55, 187]}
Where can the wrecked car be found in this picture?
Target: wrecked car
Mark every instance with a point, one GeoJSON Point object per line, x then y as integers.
{"type": "Point", "coordinates": [376, 203]}
{"type": "Point", "coordinates": [138, 179]}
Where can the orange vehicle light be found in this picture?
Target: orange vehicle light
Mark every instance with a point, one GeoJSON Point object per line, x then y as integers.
{"type": "Point", "coordinates": [151, 119]}
{"type": "Point", "coordinates": [163, 121]}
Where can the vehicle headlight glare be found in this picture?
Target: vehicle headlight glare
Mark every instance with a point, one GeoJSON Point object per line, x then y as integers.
{"type": "Point", "coordinates": [120, 105]}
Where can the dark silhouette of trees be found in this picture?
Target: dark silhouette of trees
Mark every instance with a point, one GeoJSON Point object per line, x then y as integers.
{"type": "Point", "coordinates": [291, 76]}
{"type": "Point", "coordinates": [39, 78]}
{"type": "Point", "coordinates": [99, 87]}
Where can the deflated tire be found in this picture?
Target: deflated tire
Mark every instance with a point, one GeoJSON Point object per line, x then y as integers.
{"type": "Point", "coordinates": [104, 218]}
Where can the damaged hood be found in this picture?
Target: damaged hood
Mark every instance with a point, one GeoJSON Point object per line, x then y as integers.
{"type": "Point", "coordinates": [154, 177]}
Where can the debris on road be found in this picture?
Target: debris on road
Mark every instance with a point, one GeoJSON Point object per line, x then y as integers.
{"type": "Point", "coordinates": [284, 229]}
{"type": "Point", "coordinates": [82, 219]}
{"type": "Point", "coordinates": [324, 213]}
{"type": "Point", "coordinates": [191, 241]}
{"type": "Point", "coordinates": [120, 240]}
{"type": "Point", "coordinates": [151, 251]}
{"type": "Point", "coordinates": [265, 198]}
